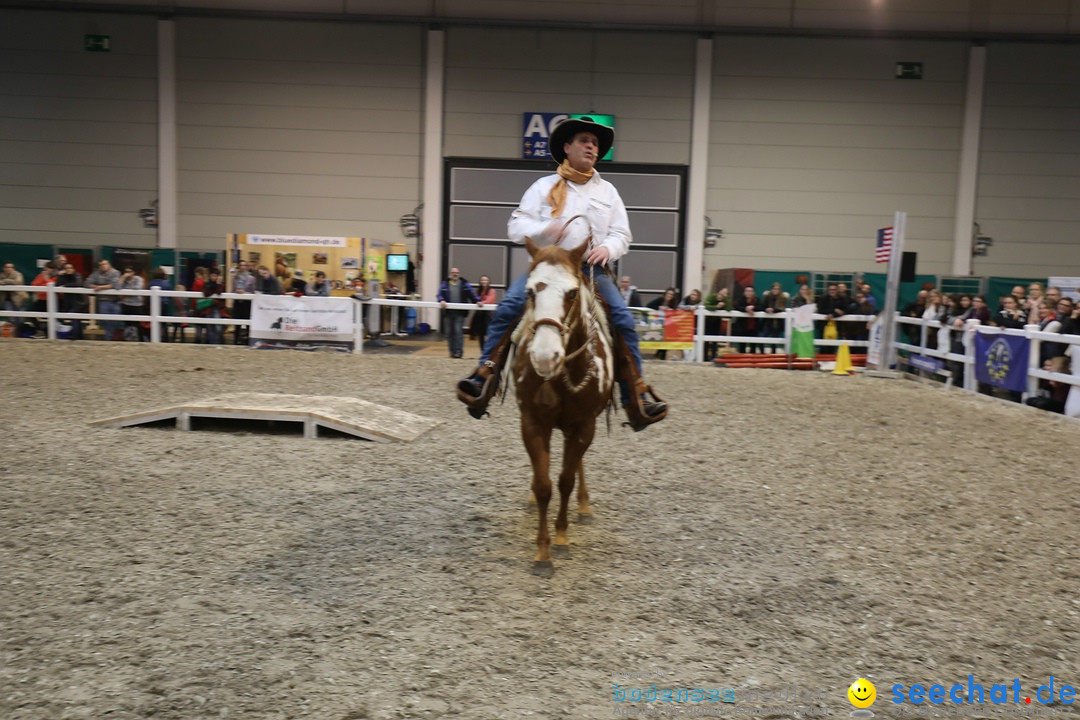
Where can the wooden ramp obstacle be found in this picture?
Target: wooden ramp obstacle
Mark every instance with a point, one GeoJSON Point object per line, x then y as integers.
{"type": "Point", "coordinates": [350, 416]}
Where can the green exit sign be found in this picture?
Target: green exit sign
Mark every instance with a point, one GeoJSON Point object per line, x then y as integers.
{"type": "Point", "coordinates": [97, 43]}
{"type": "Point", "coordinates": [909, 71]}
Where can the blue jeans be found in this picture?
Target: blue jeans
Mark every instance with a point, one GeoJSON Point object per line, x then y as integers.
{"type": "Point", "coordinates": [455, 331]}
{"type": "Point", "coordinates": [513, 303]}
{"type": "Point", "coordinates": [109, 307]}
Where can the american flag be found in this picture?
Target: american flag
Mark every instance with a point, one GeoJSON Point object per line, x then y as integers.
{"type": "Point", "coordinates": [884, 245]}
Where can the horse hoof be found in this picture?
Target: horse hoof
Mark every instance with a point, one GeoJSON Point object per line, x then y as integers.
{"type": "Point", "coordinates": [585, 518]}
{"type": "Point", "coordinates": [543, 569]}
{"type": "Point", "coordinates": [562, 552]}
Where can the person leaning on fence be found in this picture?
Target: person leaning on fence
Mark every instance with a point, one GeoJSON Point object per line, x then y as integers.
{"type": "Point", "coordinates": [72, 302]}
{"type": "Point", "coordinates": [832, 305]}
{"type": "Point", "coordinates": [719, 300]}
{"type": "Point", "coordinates": [266, 283]}
{"type": "Point", "coordinates": [243, 283]}
{"type": "Point", "coordinates": [571, 208]}
{"type": "Point", "coordinates": [456, 289]}
{"type": "Point", "coordinates": [319, 287]}
{"type": "Point", "coordinates": [773, 302]}
{"type": "Point", "coordinates": [47, 276]}
{"type": "Point", "coordinates": [750, 304]}
{"type": "Point", "coordinates": [131, 304]}
{"type": "Point", "coordinates": [211, 306]}
{"type": "Point", "coordinates": [12, 299]}
{"type": "Point", "coordinates": [105, 278]}
{"type": "Point", "coordinates": [478, 328]}
{"type": "Point", "coordinates": [160, 279]}
{"type": "Point", "coordinates": [1010, 315]}
{"type": "Point", "coordinates": [860, 330]}
{"type": "Point", "coordinates": [668, 301]}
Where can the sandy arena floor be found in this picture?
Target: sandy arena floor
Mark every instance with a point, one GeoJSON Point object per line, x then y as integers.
{"type": "Point", "coordinates": [779, 529]}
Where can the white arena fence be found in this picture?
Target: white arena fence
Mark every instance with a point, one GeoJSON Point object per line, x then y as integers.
{"type": "Point", "coordinates": [927, 329]}
{"type": "Point", "coordinates": [158, 316]}
{"type": "Point", "coordinates": [942, 350]}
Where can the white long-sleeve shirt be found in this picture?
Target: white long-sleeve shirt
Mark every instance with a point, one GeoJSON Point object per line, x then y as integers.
{"type": "Point", "coordinates": [597, 200]}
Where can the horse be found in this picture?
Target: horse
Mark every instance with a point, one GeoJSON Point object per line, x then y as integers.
{"type": "Point", "coordinates": [563, 378]}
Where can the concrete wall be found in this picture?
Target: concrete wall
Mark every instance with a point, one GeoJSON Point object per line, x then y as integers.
{"type": "Point", "coordinates": [1029, 184]}
{"type": "Point", "coordinates": [78, 130]}
{"type": "Point", "coordinates": [815, 144]}
{"type": "Point", "coordinates": [296, 128]}
{"type": "Point", "coordinates": [496, 75]}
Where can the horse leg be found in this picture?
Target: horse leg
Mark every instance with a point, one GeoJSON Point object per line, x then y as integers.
{"type": "Point", "coordinates": [538, 444]}
{"type": "Point", "coordinates": [573, 451]}
{"type": "Point", "coordinates": [584, 510]}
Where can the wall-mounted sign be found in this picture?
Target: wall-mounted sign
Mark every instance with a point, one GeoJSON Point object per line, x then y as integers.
{"type": "Point", "coordinates": [538, 127]}
{"type": "Point", "coordinates": [97, 43]}
{"type": "Point", "coordinates": [909, 71]}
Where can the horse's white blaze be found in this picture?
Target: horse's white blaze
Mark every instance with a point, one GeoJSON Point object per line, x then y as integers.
{"type": "Point", "coordinates": [546, 348]}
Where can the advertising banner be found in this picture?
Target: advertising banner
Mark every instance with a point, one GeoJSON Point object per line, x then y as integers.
{"type": "Point", "coordinates": [302, 323]}
{"type": "Point", "coordinates": [1001, 360]}
{"type": "Point", "coordinates": [665, 329]}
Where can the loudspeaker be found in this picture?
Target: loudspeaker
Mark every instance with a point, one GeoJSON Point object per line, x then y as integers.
{"type": "Point", "coordinates": [907, 267]}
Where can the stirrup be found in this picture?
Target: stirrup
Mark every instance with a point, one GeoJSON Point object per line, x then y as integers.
{"type": "Point", "coordinates": [637, 410]}
{"type": "Point", "coordinates": [489, 385]}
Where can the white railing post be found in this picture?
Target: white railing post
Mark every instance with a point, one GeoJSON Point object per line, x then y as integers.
{"type": "Point", "coordinates": [51, 306]}
{"type": "Point", "coordinates": [970, 328]}
{"type": "Point", "coordinates": [155, 314]}
{"type": "Point", "coordinates": [1034, 350]}
{"type": "Point", "coordinates": [789, 316]}
{"type": "Point", "coordinates": [358, 327]}
{"type": "Point", "coordinates": [699, 330]}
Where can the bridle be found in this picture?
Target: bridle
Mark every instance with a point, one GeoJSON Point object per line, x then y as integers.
{"type": "Point", "coordinates": [576, 317]}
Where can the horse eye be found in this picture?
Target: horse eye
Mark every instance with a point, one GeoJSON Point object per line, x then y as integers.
{"type": "Point", "coordinates": [572, 294]}
{"type": "Point", "coordinates": [529, 293]}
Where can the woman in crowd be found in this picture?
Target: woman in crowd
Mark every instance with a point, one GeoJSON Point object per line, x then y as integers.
{"type": "Point", "coordinates": [669, 301]}
{"type": "Point", "coordinates": [748, 303]}
{"type": "Point", "coordinates": [169, 305]}
{"type": "Point", "coordinates": [211, 306]}
{"type": "Point", "coordinates": [934, 311]}
{"type": "Point", "coordinates": [980, 310]}
{"type": "Point", "coordinates": [1010, 315]}
{"type": "Point", "coordinates": [773, 302]}
{"type": "Point", "coordinates": [72, 302]}
{"type": "Point", "coordinates": [719, 300]}
{"type": "Point", "coordinates": [479, 325]}
{"type": "Point", "coordinates": [804, 296]}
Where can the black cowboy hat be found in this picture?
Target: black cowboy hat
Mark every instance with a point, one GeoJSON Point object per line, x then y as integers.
{"type": "Point", "coordinates": [565, 131]}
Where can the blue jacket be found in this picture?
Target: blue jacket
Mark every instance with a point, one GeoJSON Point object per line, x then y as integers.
{"type": "Point", "coordinates": [466, 292]}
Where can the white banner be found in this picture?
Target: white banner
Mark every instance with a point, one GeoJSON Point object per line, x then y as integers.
{"type": "Point", "coordinates": [873, 352]}
{"type": "Point", "coordinates": [1070, 286]}
{"type": "Point", "coordinates": [284, 317]}
{"type": "Point", "coordinates": [301, 240]}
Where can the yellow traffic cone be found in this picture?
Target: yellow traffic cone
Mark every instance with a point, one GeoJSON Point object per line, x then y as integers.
{"type": "Point", "coordinates": [843, 362]}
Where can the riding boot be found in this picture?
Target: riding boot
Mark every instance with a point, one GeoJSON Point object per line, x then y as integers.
{"type": "Point", "coordinates": [641, 412]}
{"type": "Point", "coordinates": [477, 390]}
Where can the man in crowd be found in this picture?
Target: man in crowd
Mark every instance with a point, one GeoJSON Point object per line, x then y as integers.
{"type": "Point", "coordinates": [103, 279]}
{"type": "Point", "coordinates": [456, 289]}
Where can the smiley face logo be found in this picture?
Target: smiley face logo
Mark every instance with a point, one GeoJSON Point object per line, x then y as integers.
{"type": "Point", "coordinates": [862, 693]}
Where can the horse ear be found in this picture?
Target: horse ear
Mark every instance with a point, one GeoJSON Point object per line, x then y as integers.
{"type": "Point", "coordinates": [579, 252]}
{"type": "Point", "coordinates": [531, 246]}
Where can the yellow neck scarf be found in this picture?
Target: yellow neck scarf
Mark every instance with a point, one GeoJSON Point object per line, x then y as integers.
{"type": "Point", "coordinates": [557, 195]}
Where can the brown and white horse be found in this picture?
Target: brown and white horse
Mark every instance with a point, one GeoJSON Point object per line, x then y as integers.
{"type": "Point", "coordinates": [563, 378]}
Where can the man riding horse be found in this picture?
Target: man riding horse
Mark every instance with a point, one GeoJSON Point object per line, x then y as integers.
{"type": "Point", "coordinates": [570, 208]}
